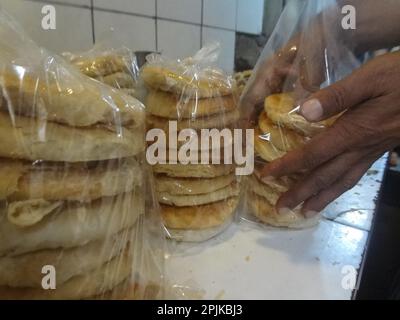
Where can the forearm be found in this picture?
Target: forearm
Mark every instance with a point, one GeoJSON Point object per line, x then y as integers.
{"type": "Point", "coordinates": [377, 24]}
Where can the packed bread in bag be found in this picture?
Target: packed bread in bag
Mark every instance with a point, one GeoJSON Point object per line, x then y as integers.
{"type": "Point", "coordinates": [74, 193]}
{"type": "Point", "coordinates": [198, 198]}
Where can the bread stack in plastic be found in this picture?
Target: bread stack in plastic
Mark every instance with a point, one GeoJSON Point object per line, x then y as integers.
{"type": "Point", "coordinates": [72, 187]}
{"type": "Point", "coordinates": [280, 129]}
{"type": "Point", "coordinates": [116, 68]}
{"type": "Point", "coordinates": [198, 201]}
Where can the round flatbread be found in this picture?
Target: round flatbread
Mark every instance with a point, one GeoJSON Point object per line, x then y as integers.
{"type": "Point", "coordinates": [267, 213]}
{"type": "Point", "coordinates": [71, 224]}
{"type": "Point", "coordinates": [165, 105]}
{"type": "Point", "coordinates": [197, 235]}
{"type": "Point", "coordinates": [205, 83]}
{"type": "Point", "coordinates": [282, 138]}
{"type": "Point", "coordinates": [73, 100]}
{"type": "Point", "coordinates": [281, 184]}
{"type": "Point", "coordinates": [101, 65]}
{"type": "Point", "coordinates": [26, 270]}
{"type": "Point", "coordinates": [264, 190]}
{"type": "Point", "coordinates": [264, 148]}
{"type": "Point", "coordinates": [229, 191]}
{"type": "Point", "coordinates": [64, 181]}
{"type": "Point", "coordinates": [281, 109]}
{"type": "Point", "coordinates": [194, 170]}
{"type": "Point", "coordinates": [192, 186]}
{"type": "Point", "coordinates": [199, 217]}
{"type": "Point", "coordinates": [118, 80]}
{"type": "Point", "coordinates": [33, 139]}
{"type": "Point", "coordinates": [96, 282]}
{"type": "Point", "coordinates": [216, 121]}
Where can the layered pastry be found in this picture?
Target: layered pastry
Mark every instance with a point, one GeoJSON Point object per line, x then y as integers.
{"type": "Point", "coordinates": [71, 188]}
{"type": "Point", "coordinates": [117, 68]}
{"type": "Point", "coordinates": [198, 200]}
{"type": "Point", "coordinates": [280, 129]}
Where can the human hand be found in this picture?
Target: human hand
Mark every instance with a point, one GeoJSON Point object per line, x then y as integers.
{"type": "Point", "coordinates": [297, 67]}
{"type": "Point", "coordinates": [337, 158]}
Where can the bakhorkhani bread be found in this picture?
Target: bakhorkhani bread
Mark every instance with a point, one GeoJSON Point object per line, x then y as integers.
{"type": "Point", "coordinates": [64, 181]}
{"type": "Point", "coordinates": [282, 138]}
{"type": "Point", "coordinates": [219, 121]}
{"type": "Point", "coordinates": [267, 213]}
{"type": "Point", "coordinates": [265, 148]}
{"type": "Point", "coordinates": [199, 217]}
{"type": "Point", "coordinates": [264, 190]}
{"type": "Point", "coordinates": [130, 91]}
{"type": "Point", "coordinates": [71, 224]}
{"type": "Point", "coordinates": [194, 170]}
{"type": "Point", "coordinates": [26, 270]}
{"type": "Point", "coordinates": [33, 139]}
{"type": "Point", "coordinates": [197, 235]}
{"type": "Point", "coordinates": [118, 80]}
{"type": "Point", "coordinates": [97, 281]}
{"type": "Point", "coordinates": [207, 83]}
{"type": "Point", "coordinates": [281, 184]}
{"type": "Point", "coordinates": [126, 290]}
{"type": "Point", "coordinates": [10, 173]}
{"type": "Point", "coordinates": [281, 109]}
{"type": "Point", "coordinates": [220, 141]}
{"type": "Point", "coordinates": [231, 190]}
{"type": "Point", "coordinates": [165, 105]}
{"type": "Point", "coordinates": [188, 186]}
{"type": "Point", "coordinates": [74, 103]}
{"type": "Point", "coordinates": [101, 65]}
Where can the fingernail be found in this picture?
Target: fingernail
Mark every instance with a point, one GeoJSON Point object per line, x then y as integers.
{"type": "Point", "coordinates": [310, 214]}
{"type": "Point", "coordinates": [312, 110]}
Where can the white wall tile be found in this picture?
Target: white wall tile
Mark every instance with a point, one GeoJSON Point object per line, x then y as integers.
{"type": "Point", "coordinates": [250, 16]}
{"type": "Point", "coordinates": [136, 33]}
{"type": "Point", "coordinates": [146, 7]}
{"type": "Point", "coordinates": [182, 10]}
{"type": "Point", "coordinates": [67, 36]}
{"type": "Point", "coordinates": [226, 59]}
{"type": "Point", "coordinates": [220, 13]}
{"type": "Point", "coordinates": [178, 40]}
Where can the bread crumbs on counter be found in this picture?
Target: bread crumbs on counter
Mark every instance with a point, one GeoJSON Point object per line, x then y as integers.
{"type": "Point", "coordinates": [372, 172]}
{"type": "Point", "coordinates": [247, 258]}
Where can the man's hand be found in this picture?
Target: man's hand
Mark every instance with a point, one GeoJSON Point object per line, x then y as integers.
{"type": "Point", "coordinates": [337, 158]}
{"type": "Point", "coordinates": [297, 67]}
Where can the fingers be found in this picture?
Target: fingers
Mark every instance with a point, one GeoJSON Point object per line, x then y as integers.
{"type": "Point", "coordinates": [320, 149]}
{"type": "Point", "coordinates": [318, 202]}
{"type": "Point", "coordinates": [338, 97]}
{"type": "Point", "coordinates": [319, 180]}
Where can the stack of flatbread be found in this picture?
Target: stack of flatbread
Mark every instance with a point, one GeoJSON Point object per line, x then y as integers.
{"type": "Point", "coordinates": [70, 187]}
{"type": "Point", "coordinates": [198, 200]}
{"type": "Point", "coordinates": [280, 129]}
{"type": "Point", "coordinates": [113, 69]}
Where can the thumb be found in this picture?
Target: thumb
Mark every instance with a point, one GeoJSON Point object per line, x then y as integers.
{"type": "Point", "coordinates": [336, 98]}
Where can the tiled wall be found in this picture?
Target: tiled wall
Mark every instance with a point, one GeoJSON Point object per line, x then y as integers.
{"type": "Point", "coordinates": [177, 28]}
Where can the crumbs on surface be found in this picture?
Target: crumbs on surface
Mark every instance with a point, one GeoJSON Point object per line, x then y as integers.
{"type": "Point", "coordinates": [220, 295]}
{"type": "Point", "coordinates": [372, 172]}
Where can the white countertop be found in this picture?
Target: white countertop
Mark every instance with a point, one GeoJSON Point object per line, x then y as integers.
{"type": "Point", "coordinates": [249, 261]}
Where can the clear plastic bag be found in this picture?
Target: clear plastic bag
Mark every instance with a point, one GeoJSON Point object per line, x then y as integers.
{"type": "Point", "coordinates": [115, 67]}
{"type": "Point", "coordinates": [198, 199]}
{"type": "Point", "coordinates": [78, 217]}
{"type": "Point", "coordinates": [304, 53]}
